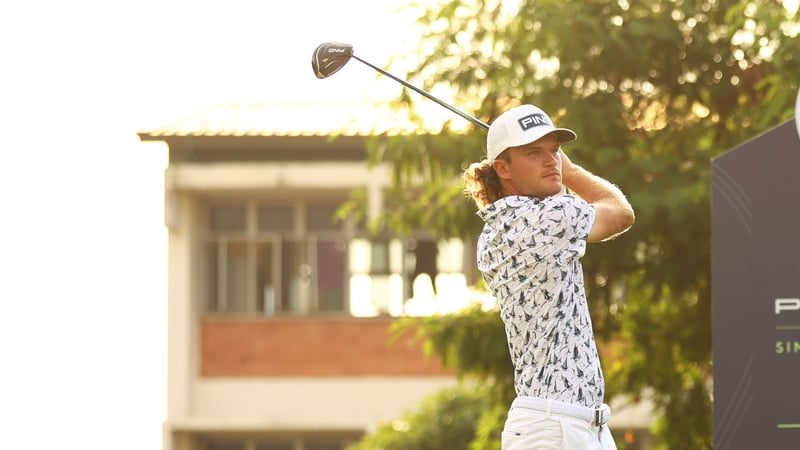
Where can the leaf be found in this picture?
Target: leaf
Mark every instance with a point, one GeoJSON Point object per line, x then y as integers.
{"type": "Point", "coordinates": [628, 89]}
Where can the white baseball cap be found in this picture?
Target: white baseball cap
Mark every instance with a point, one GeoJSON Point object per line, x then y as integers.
{"type": "Point", "coordinates": [519, 126]}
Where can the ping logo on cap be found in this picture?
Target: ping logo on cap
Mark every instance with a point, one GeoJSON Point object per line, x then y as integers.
{"type": "Point", "coordinates": [533, 120]}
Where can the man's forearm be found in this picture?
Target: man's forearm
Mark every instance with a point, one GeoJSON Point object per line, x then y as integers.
{"type": "Point", "coordinates": [614, 214]}
{"type": "Point", "coordinates": [591, 187]}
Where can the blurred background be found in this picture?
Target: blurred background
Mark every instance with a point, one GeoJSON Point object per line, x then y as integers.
{"type": "Point", "coordinates": [660, 88]}
{"type": "Point", "coordinates": [83, 302]}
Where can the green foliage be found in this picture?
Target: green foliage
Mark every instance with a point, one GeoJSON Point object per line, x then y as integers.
{"type": "Point", "coordinates": [473, 343]}
{"type": "Point", "coordinates": [655, 90]}
{"type": "Point", "coordinates": [444, 420]}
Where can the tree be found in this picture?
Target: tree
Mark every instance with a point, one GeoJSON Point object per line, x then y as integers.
{"type": "Point", "coordinates": [445, 420]}
{"type": "Point", "coordinates": [655, 89]}
{"type": "Point", "coordinates": [473, 342]}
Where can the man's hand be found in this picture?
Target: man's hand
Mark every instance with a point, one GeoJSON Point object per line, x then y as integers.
{"type": "Point", "coordinates": [613, 213]}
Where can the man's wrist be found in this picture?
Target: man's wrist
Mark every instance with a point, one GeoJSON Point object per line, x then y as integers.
{"type": "Point", "coordinates": [570, 174]}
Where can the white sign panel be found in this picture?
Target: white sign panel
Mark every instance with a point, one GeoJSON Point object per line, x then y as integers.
{"type": "Point", "coordinates": [797, 113]}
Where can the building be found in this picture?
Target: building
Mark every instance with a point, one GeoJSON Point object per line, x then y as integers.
{"type": "Point", "coordinates": [279, 312]}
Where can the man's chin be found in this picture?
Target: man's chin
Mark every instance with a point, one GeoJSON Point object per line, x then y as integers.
{"type": "Point", "coordinates": [550, 192]}
{"type": "Point", "coordinates": [556, 190]}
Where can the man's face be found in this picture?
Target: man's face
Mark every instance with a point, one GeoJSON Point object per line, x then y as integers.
{"type": "Point", "coordinates": [534, 169]}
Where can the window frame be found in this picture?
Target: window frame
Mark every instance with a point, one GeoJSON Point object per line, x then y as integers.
{"type": "Point", "coordinates": [255, 237]}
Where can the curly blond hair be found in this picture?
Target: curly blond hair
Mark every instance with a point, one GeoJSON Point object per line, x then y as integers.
{"type": "Point", "coordinates": [481, 183]}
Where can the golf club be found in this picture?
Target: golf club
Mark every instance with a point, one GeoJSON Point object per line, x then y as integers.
{"type": "Point", "coordinates": [329, 57]}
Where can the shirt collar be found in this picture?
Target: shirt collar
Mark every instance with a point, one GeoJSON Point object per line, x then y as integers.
{"type": "Point", "coordinates": [491, 211]}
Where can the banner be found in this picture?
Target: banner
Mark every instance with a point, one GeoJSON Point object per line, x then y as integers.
{"type": "Point", "coordinates": [755, 245]}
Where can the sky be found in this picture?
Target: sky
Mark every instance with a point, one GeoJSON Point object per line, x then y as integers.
{"type": "Point", "coordinates": [83, 259]}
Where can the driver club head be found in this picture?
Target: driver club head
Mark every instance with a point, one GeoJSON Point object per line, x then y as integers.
{"type": "Point", "coordinates": [329, 57]}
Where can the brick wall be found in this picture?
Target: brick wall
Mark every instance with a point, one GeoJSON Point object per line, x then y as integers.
{"type": "Point", "coordinates": [315, 347]}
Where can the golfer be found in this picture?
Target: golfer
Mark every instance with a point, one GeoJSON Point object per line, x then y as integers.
{"type": "Point", "coordinates": [529, 254]}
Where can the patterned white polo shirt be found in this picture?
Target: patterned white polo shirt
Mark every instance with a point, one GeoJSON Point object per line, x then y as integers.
{"type": "Point", "coordinates": [529, 254]}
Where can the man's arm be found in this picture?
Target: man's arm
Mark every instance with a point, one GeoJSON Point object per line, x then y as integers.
{"type": "Point", "coordinates": [614, 214]}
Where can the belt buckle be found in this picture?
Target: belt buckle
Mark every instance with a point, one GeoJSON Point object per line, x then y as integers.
{"type": "Point", "coordinates": [600, 417]}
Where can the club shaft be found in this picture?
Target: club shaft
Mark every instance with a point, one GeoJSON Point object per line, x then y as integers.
{"type": "Point", "coordinates": [474, 120]}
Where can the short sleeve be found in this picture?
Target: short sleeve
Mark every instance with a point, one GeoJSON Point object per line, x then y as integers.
{"type": "Point", "coordinates": [566, 221]}
{"type": "Point", "coordinates": [528, 232]}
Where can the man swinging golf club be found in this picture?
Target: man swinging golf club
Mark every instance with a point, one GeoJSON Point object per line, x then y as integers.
{"type": "Point", "coordinates": [529, 254]}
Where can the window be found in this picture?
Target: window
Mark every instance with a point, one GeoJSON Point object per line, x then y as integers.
{"type": "Point", "coordinates": [226, 446]}
{"type": "Point", "coordinates": [275, 259]}
{"type": "Point", "coordinates": [210, 442]}
{"type": "Point", "coordinates": [376, 277]}
{"type": "Point", "coordinates": [275, 446]}
{"type": "Point", "coordinates": [294, 257]}
{"type": "Point", "coordinates": [301, 445]}
{"type": "Point", "coordinates": [324, 446]}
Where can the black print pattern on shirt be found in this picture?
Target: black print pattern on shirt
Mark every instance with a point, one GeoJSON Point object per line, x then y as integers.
{"type": "Point", "coordinates": [529, 254]}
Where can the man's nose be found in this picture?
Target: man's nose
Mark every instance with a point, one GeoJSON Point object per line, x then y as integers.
{"type": "Point", "coordinates": [553, 159]}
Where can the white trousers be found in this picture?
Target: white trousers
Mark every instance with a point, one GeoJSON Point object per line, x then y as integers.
{"type": "Point", "coordinates": [530, 429]}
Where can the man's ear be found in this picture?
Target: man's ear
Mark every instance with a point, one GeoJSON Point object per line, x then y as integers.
{"type": "Point", "coordinates": [501, 167]}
